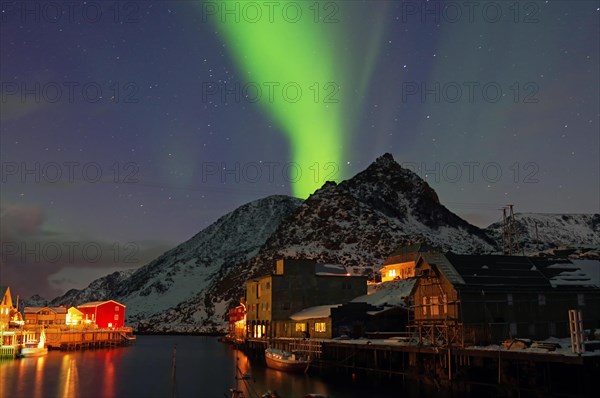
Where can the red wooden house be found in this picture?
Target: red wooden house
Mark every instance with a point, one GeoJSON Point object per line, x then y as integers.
{"type": "Point", "coordinates": [106, 314]}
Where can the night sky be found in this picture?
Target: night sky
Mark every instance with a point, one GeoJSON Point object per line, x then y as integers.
{"type": "Point", "coordinates": [127, 127]}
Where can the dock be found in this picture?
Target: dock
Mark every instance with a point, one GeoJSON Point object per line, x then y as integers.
{"type": "Point", "coordinates": [461, 370]}
{"type": "Point", "coordinates": [81, 339]}
{"type": "Point", "coordinates": [66, 339]}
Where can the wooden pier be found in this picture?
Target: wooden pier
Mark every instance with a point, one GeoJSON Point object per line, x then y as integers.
{"type": "Point", "coordinates": [79, 339]}
{"type": "Point", "coordinates": [64, 338]}
{"type": "Point", "coordinates": [463, 370]}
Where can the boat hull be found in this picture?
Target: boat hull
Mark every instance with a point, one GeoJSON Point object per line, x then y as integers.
{"type": "Point", "coordinates": [286, 364]}
{"type": "Point", "coordinates": [29, 352]}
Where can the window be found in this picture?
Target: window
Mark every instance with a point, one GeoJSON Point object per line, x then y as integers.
{"type": "Point", "coordinates": [541, 299]}
{"type": "Point", "coordinates": [320, 327]}
{"type": "Point", "coordinates": [392, 273]}
{"type": "Point", "coordinates": [513, 330]}
{"type": "Point", "coordinates": [509, 299]}
{"type": "Point", "coordinates": [116, 317]}
{"type": "Point", "coordinates": [435, 309]}
{"type": "Point", "coordinates": [445, 301]}
{"type": "Point", "coordinates": [117, 308]}
{"type": "Point", "coordinates": [580, 299]}
{"type": "Point", "coordinates": [268, 285]}
{"type": "Point", "coordinates": [300, 327]}
{"type": "Point", "coordinates": [425, 304]}
{"type": "Point", "coordinates": [532, 329]}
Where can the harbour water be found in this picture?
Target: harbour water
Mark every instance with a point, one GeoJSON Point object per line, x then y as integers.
{"type": "Point", "coordinates": [204, 368]}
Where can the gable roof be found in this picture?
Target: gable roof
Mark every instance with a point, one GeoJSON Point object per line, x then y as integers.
{"type": "Point", "coordinates": [35, 310]}
{"type": "Point", "coordinates": [408, 253]}
{"type": "Point", "coordinates": [3, 291]}
{"type": "Point", "coordinates": [497, 270]}
{"type": "Point", "coordinates": [98, 303]}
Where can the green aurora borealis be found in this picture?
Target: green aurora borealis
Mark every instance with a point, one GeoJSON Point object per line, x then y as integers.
{"type": "Point", "coordinates": [300, 55]}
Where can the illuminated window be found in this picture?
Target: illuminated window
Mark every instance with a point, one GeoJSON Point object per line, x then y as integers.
{"type": "Point", "coordinates": [425, 305]}
{"type": "Point", "coordinates": [300, 327]}
{"type": "Point", "coordinates": [320, 327]}
{"type": "Point", "coordinates": [435, 309]}
{"type": "Point", "coordinates": [392, 273]}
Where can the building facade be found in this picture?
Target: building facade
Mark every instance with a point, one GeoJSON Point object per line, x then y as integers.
{"type": "Point", "coordinates": [105, 314]}
{"type": "Point", "coordinates": [296, 285]}
{"type": "Point", "coordinates": [44, 316]}
{"type": "Point", "coordinates": [7, 310]}
{"type": "Point", "coordinates": [401, 264]}
{"type": "Point", "coordinates": [237, 322]}
{"type": "Point", "coordinates": [473, 299]}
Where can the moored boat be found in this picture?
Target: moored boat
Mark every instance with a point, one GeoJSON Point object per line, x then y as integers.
{"type": "Point", "coordinates": [286, 361]}
{"type": "Point", "coordinates": [35, 348]}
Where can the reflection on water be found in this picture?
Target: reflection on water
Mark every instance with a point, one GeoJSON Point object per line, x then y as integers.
{"type": "Point", "coordinates": [39, 375]}
{"type": "Point", "coordinates": [205, 368]}
{"type": "Point", "coordinates": [70, 383]}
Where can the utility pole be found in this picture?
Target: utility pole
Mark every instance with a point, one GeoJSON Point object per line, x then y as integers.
{"type": "Point", "coordinates": [510, 239]}
{"type": "Point", "coordinates": [504, 232]}
{"type": "Point", "coordinates": [537, 239]}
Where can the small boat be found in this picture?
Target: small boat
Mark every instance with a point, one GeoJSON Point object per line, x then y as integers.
{"type": "Point", "coordinates": [287, 361]}
{"type": "Point", "coordinates": [35, 348]}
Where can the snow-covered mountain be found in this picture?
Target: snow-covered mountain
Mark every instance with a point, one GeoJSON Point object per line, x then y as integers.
{"type": "Point", "coordinates": [34, 301]}
{"type": "Point", "coordinates": [577, 235]}
{"type": "Point", "coordinates": [101, 289]}
{"type": "Point", "coordinates": [357, 223]}
{"type": "Point", "coordinates": [189, 269]}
